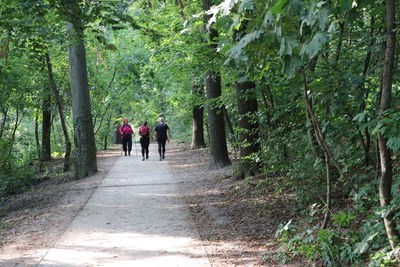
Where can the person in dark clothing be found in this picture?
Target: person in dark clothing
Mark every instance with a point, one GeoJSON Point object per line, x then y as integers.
{"type": "Point", "coordinates": [126, 135]}
{"type": "Point", "coordinates": [144, 133]}
{"type": "Point", "coordinates": [162, 135]}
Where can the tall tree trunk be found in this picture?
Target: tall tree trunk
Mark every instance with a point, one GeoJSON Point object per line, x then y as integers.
{"type": "Point", "coordinates": [248, 128]}
{"type": "Point", "coordinates": [198, 119]}
{"type": "Point", "coordinates": [37, 135]}
{"type": "Point", "coordinates": [60, 105]}
{"type": "Point", "coordinates": [385, 185]}
{"type": "Point", "coordinates": [46, 125]}
{"type": "Point", "coordinates": [365, 135]}
{"type": "Point", "coordinates": [85, 147]}
{"type": "Point", "coordinates": [218, 146]}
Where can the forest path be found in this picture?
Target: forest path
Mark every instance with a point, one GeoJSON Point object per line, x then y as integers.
{"type": "Point", "coordinates": [135, 218]}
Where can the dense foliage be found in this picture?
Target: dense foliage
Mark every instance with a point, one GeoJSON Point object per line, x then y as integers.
{"type": "Point", "coordinates": [317, 71]}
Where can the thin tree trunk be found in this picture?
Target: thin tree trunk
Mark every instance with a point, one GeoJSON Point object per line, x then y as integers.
{"type": "Point", "coordinates": [3, 122]}
{"type": "Point", "coordinates": [324, 146]}
{"type": "Point", "coordinates": [385, 185]}
{"type": "Point", "coordinates": [85, 147]}
{"type": "Point", "coordinates": [248, 128]}
{"type": "Point", "coordinates": [367, 143]}
{"type": "Point", "coordinates": [108, 105]}
{"type": "Point", "coordinates": [37, 135]}
{"type": "Point", "coordinates": [218, 146]}
{"type": "Point", "coordinates": [340, 42]}
{"type": "Point", "coordinates": [198, 120]}
{"type": "Point", "coordinates": [328, 192]}
{"type": "Point", "coordinates": [15, 127]}
{"type": "Point", "coordinates": [312, 136]}
{"type": "Point", "coordinates": [102, 119]}
{"type": "Point", "coordinates": [46, 125]}
{"type": "Point", "coordinates": [105, 146]}
{"type": "Point", "coordinates": [60, 105]}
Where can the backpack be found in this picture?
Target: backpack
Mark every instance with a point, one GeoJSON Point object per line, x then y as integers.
{"type": "Point", "coordinates": [144, 131]}
{"type": "Point", "coordinates": [126, 134]}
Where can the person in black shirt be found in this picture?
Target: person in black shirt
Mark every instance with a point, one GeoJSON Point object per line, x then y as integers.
{"type": "Point", "coordinates": [162, 135]}
{"type": "Point", "coordinates": [144, 133]}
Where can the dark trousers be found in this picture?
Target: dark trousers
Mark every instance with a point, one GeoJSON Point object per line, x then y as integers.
{"type": "Point", "coordinates": [145, 142]}
{"type": "Point", "coordinates": [161, 146]}
{"type": "Point", "coordinates": [127, 144]}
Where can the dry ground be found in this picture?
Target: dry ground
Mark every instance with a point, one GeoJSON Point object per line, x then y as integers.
{"type": "Point", "coordinates": [31, 222]}
{"type": "Point", "coordinates": [236, 221]}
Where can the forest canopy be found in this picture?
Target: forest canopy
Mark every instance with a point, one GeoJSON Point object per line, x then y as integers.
{"type": "Point", "coordinates": [301, 92]}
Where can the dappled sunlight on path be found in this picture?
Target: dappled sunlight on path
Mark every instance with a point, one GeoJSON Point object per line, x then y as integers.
{"type": "Point", "coordinates": [134, 218]}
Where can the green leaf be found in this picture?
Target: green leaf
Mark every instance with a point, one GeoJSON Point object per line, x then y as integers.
{"type": "Point", "coordinates": [360, 116]}
{"type": "Point", "coordinates": [315, 45]}
{"type": "Point", "coordinates": [361, 247]}
{"type": "Point", "coordinates": [287, 46]}
{"type": "Point", "coordinates": [236, 51]}
{"type": "Point", "coordinates": [394, 143]}
{"type": "Point", "coordinates": [268, 19]}
{"type": "Point", "coordinates": [246, 5]}
{"type": "Point", "coordinates": [278, 8]}
{"type": "Point", "coordinates": [323, 17]}
{"type": "Point", "coordinates": [290, 64]}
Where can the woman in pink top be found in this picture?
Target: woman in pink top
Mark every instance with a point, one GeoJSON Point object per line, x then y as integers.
{"type": "Point", "coordinates": [126, 135]}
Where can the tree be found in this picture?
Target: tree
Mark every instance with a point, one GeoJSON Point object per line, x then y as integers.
{"type": "Point", "coordinates": [46, 125]}
{"type": "Point", "coordinates": [249, 142]}
{"type": "Point", "coordinates": [385, 184]}
{"type": "Point", "coordinates": [85, 147]}
{"type": "Point", "coordinates": [60, 106]}
{"type": "Point", "coordinates": [198, 119]}
{"type": "Point", "coordinates": [218, 146]}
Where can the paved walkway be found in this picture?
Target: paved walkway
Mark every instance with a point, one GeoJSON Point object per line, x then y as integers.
{"type": "Point", "coordinates": [135, 218]}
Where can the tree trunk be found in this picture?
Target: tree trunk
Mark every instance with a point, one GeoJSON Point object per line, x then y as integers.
{"type": "Point", "coordinates": [60, 105]}
{"type": "Point", "coordinates": [3, 122]}
{"type": "Point", "coordinates": [365, 135]}
{"type": "Point", "coordinates": [85, 147]}
{"type": "Point", "coordinates": [248, 128]}
{"type": "Point", "coordinates": [14, 130]}
{"type": "Point", "coordinates": [46, 125]}
{"type": "Point", "coordinates": [385, 185]}
{"type": "Point", "coordinates": [105, 146]}
{"type": "Point", "coordinates": [37, 135]}
{"type": "Point", "coordinates": [324, 147]}
{"type": "Point", "coordinates": [198, 120]}
{"type": "Point", "coordinates": [340, 41]}
{"type": "Point", "coordinates": [328, 192]}
{"type": "Point", "coordinates": [218, 146]}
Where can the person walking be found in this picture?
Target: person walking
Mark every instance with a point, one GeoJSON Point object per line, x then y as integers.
{"type": "Point", "coordinates": [126, 136]}
{"type": "Point", "coordinates": [144, 133]}
{"type": "Point", "coordinates": [162, 135]}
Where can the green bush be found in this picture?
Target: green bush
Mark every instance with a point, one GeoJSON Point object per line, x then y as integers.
{"type": "Point", "coordinates": [16, 180]}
